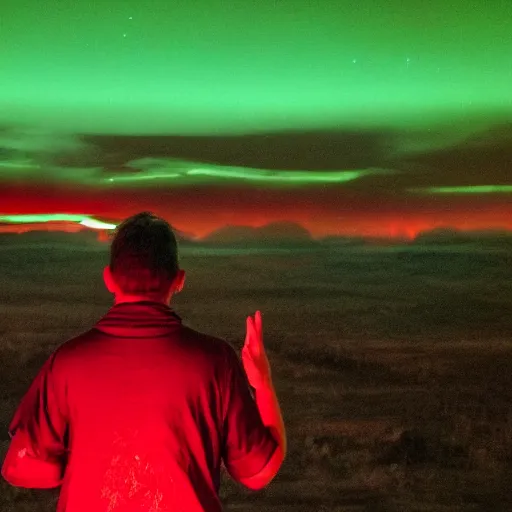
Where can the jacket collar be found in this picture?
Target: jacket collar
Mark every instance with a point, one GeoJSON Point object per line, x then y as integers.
{"type": "Point", "coordinates": [143, 319]}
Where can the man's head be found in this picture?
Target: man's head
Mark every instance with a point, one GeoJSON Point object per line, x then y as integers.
{"type": "Point", "coordinates": [144, 260]}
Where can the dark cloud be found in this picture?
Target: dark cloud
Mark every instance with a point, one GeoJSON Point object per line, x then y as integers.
{"type": "Point", "coordinates": [323, 150]}
{"type": "Point", "coordinates": [420, 159]}
{"type": "Point", "coordinates": [424, 158]}
{"type": "Point", "coordinates": [481, 159]}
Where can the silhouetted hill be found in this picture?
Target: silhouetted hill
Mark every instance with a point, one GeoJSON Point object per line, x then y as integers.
{"type": "Point", "coordinates": [275, 233]}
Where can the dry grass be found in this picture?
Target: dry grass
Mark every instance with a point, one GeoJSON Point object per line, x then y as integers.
{"type": "Point", "coordinates": [394, 367]}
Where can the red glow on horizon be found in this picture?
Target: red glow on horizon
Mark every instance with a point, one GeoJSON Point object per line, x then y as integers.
{"type": "Point", "coordinates": [199, 212]}
{"type": "Point", "coordinates": [392, 229]}
{"type": "Point", "coordinates": [63, 227]}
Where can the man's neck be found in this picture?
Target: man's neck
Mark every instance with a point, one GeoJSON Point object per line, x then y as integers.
{"type": "Point", "coordinates": [120, 299]}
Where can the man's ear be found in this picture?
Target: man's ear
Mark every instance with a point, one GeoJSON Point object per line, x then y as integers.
{"type": "Point", "coordinates": [109, 280]}
{"type": "Point", "coordinates": [180, 281]}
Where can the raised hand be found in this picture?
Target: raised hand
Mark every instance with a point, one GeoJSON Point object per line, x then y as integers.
{"type": "Point", "coordinates": [254, 357]}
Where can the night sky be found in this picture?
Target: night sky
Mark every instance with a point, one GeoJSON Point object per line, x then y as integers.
{"type": "Point", "coordinates": [345, 117]}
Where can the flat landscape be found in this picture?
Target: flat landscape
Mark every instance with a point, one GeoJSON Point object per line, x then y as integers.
{"type": "Point", "coordinates": [393, 364]}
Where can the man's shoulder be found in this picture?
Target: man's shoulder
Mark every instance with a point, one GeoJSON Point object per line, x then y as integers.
{"type": "Point", "coordinates": [90, 340]}
{"type": "Point", "coordinates": [76, 345]}
{"type": "Point", "coordinates": [78, 351]}
{"type": "Point", "coordinates": [207, 342]}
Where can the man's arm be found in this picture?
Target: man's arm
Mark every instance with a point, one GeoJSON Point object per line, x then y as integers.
{"type": "Point", "coordinates": [270, 412]}
{"type": "Point", "coordinates": [257, 369]}
{"type": "Point", "coordinates": [22, 469]}
{"type": "Point", "coordinates": [37, 454]}
{"type": "Point", "coordinates": [254, 433]}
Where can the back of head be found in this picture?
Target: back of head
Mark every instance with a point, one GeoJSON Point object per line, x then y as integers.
{"type": "Point", "coordinates": [144, 255]}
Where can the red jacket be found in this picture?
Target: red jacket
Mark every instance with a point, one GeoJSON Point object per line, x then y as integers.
{"type": "Point", "coordinates": [139, 413]}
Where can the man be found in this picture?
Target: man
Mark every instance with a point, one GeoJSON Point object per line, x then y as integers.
{"type": "Point", "coordinates": [138, 413]}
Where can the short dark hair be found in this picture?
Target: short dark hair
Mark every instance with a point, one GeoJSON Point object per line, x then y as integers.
{"type": "Point", "coordinates": [144, 254]}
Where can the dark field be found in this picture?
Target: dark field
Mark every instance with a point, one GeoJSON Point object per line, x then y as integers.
{"type": "Point", "coordinates": [393, 366]}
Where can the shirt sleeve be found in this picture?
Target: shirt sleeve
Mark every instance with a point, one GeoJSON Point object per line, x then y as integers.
{"type": "Point", "coordinates": [42, 416]}
{"type": "Point", "coordinates": [248, 443]}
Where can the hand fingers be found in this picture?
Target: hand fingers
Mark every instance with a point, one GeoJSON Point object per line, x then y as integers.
{"type": "Point", "coordinates": [252, 343]}
{"type": "Point", "coordinates": [254, 338]}
{"type": "Point", "coordinates": [249, 334]}
{"type": "Point", "coordinates": [257, 329]}
{"type": "Point", "coordinates": [257, 319]}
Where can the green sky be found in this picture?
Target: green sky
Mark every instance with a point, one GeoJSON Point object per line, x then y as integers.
{"type": "Point", "coordinates": [203, 67]}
